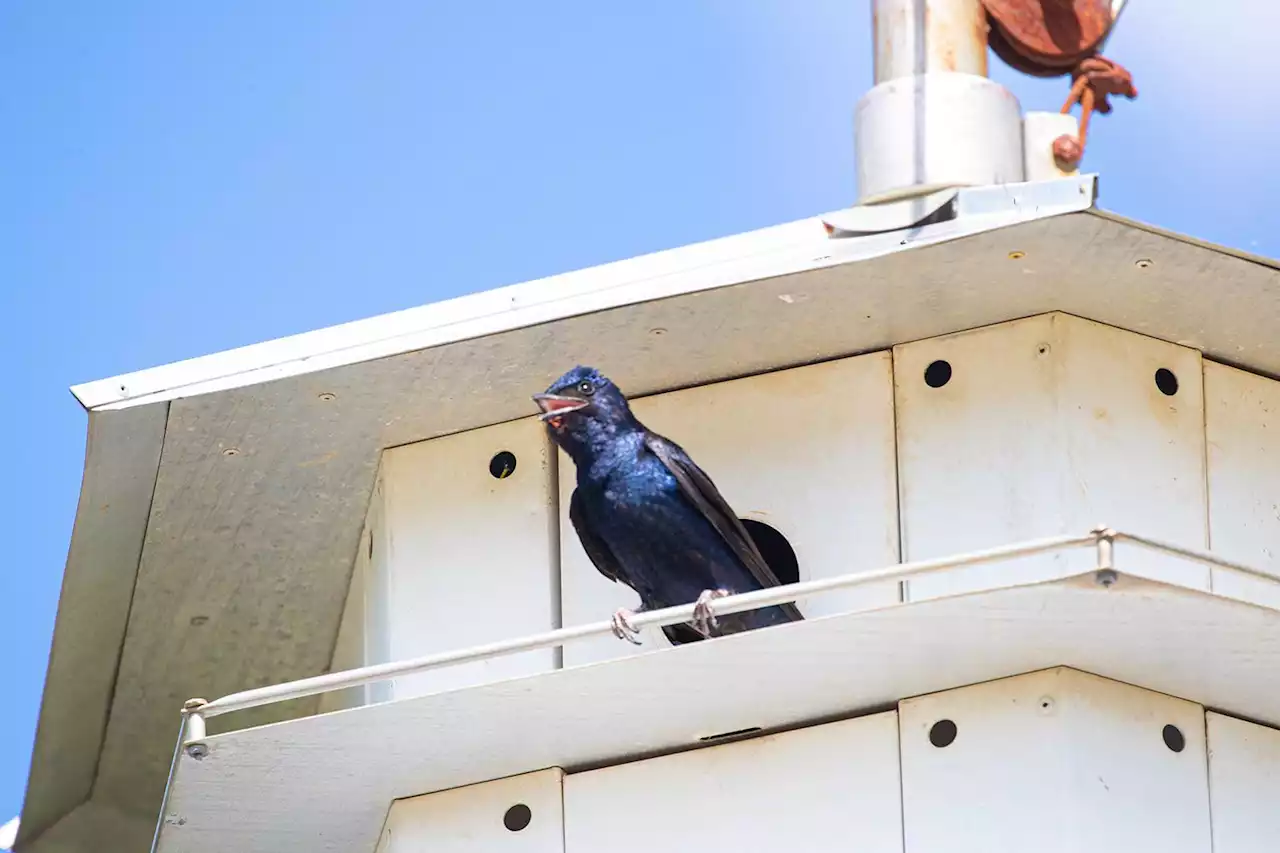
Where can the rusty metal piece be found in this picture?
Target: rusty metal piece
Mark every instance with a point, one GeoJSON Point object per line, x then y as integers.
{"type": "Point", "coordinates": [1094, 81]}
{"type": "Point", "coordinates": [1047, 38]}
{"type": "Point", "coordinates": [1103, 78]}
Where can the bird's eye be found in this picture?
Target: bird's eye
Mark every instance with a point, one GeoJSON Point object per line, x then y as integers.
{"type": "Point", "coordinates": [586, 388]}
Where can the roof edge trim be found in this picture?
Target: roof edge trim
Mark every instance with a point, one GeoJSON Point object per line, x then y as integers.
{"type": "Point", "coordinates": [1261, 260]}
{"type": "Point", "coordinates": [122, 462]}
{"type": "Point", "coordinates": [765, 253]}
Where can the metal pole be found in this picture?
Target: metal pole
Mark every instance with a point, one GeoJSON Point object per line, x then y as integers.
{"type": "Point", "coordinates": [184, 731]}
{"type": "Point", "coordinates": [933, 120]}
{"type": "Point", "coordinates": [924, 36]}
{"type": "Point", "coordinates": [654, 618]}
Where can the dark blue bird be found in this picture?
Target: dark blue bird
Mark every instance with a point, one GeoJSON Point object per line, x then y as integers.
{"type": "Point", "coordinates": [649, 517]}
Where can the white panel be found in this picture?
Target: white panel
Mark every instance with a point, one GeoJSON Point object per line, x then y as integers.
{"type": "Point", "coordinates": [475, 819]}
{"type": "Point", "coordinates": [830, 787]}
{"type": "Point", "coordinates": [1047, 425]}
{"type": "Point", "coordinates": [1242, 421]}
{"type": "Point", "coordinates": [469, 556]}
{"type": "Point", "coordinates": [1057, 761]}
{"type": "Point", "coordinates": [1244, 785]}
{"type": "Point", "coordinates": [808, 451]}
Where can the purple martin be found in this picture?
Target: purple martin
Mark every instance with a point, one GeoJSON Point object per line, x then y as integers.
{"type": "Point", "coordinates": [649, 517]}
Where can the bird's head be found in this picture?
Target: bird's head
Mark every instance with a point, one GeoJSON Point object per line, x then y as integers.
{"type": "Point", "coordinates": [583, 402]}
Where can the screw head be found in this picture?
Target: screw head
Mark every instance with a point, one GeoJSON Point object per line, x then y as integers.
{"type": "Point", "coordinates": [327, 396]}
{"type": "Point", "coordinates": [1106, 577]}
{"type": "Point", "coordinates": [197, 750]}
{"type": "Point", "coordinates": [1017, 256]}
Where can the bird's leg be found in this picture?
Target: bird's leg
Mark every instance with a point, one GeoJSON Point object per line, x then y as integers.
{"type": "Point", "coordinates": [622, 627]}
{"type": "Point", "coordinates": [703, 619]}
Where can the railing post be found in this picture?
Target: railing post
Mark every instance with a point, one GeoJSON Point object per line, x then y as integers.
{"type": "Point", "coordinates": [1104, 539]}
{"type": "Point", "coordinates": [193, 731]}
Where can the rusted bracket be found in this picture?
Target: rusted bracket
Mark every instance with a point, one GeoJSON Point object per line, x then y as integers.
{"type": "Point", "coordinates": [1051, 38]}
{"type": "Point", "coordinates": [1095, 79]}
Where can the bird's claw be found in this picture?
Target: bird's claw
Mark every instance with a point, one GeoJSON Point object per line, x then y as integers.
{"type": "Point", "coordinates": [703, 619]}
{"type": "Point", "coordinates": [622, 627]}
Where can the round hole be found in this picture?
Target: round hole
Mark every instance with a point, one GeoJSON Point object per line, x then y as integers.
{"type": "Point", "coordinates": [517, 817]}
{"type": "Point", "coordinates": [937, 374]}
{"type": "Point", "coordinates": [197, 621]}
{"type": "Point", "coordinates": [231, 451]}
{"type": "Point", "coordinates": [658, 332]}
{"type": "Point", "coordinates": [942, 733]}
{"type": "Point", "coordinates": [502, 465]}
{"type": "Point", "coordinates": [1173, 738]}
{"type": "Point", "coordinates": [1166, 382]}
{"type": "Point", "coordinates": [1016, 256]}
{"type": "Point", "coordinates": [776, 550]}
{"type": "Point", "coordinates": [327, 396]}
{"type": "Point", "coordinates": [1142, 263]}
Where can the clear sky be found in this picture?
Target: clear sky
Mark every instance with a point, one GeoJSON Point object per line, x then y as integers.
{"type": "Point", "coordinates": [182, 178]}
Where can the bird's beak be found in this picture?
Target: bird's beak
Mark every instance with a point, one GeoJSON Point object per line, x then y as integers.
{"type": "Point", "coordinates": [554, 405]}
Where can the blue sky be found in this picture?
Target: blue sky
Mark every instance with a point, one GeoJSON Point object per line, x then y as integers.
{"type": "Point", "coordinates": [178, 179]}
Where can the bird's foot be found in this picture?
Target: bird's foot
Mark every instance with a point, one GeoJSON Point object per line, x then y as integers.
{"type": "Point", "coordinates": [622, 627]}
{"type": "Point", "coordinates": [703, 619]}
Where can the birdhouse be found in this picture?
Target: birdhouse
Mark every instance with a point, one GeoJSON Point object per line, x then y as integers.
{"type": "Point", "coordinates": [1023, 495]}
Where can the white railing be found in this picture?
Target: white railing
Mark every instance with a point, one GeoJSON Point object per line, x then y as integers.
{"type": "Point", "coordinates": [198, 708]}
{"type": "Point", "coordinates": [1102, 539]}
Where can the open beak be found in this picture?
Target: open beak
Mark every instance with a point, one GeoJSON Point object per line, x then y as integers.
{"type": "Point", "coordinates": [555, 405]}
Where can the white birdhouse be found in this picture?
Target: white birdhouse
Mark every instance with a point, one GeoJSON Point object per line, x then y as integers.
{"type": "Point", "coordinates": [1023, 494]}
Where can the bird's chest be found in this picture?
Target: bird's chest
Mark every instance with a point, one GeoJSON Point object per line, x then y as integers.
{"type": "Point", "coordinates": [667, 551]}
{"type": "Point", "coordinates": [637, 491]}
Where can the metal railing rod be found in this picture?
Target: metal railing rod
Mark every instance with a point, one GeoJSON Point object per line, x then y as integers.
{"type": "Point", "coordinates": [1207, 558]}
{"type": "Point", "coordinates": [649, 619]}
{"type": "Point", "coordinates": [168, 785]}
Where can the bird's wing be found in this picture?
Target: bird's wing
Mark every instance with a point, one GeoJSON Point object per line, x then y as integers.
{"type": "Point", "coordinates": [601, 557]}
{"type": "Point", "coordinates": [697, 487]}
